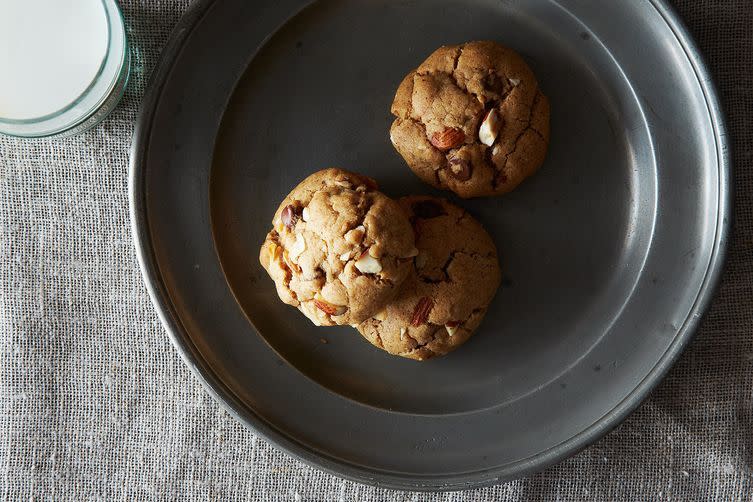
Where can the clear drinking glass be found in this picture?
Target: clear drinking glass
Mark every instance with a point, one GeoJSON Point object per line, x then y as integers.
{"type": "Point", "coordinates": [97, 100]}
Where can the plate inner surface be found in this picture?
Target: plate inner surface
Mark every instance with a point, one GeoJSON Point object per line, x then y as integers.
{"type": "Point", "coordinates": [572, 240]}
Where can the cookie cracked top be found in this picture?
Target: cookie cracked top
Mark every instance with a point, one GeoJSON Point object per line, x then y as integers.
{"type": "Point", "coordinates": [339, 249]}
{"type": "Point", "coordinates": [453, 279]}
{"type": "Point", "coordinates": [471, 119]}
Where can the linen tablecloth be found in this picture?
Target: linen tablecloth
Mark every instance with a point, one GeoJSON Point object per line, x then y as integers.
{"type": "Point", "coordinates": [95, 403]}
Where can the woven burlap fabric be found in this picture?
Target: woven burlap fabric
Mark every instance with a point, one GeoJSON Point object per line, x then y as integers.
{"type": "Point", "coordinates": [96, 404]}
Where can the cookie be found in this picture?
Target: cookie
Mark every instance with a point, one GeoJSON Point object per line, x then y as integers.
{"type": "Point", "coordinates": [471, 119]}
{"type": "Point", "coordinates": [454, 278]}
{"type": "Point", "coordinates": [339, 249]}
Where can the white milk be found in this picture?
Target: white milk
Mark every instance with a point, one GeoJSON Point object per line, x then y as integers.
{"type": "Point", "coordinates": [50, 53]}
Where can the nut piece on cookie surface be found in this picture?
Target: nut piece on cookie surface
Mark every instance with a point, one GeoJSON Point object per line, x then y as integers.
{"type": "Point", "coordinates": [448, 139]}
{"type": "Point", "coordinates": [490, 127]}
{"type": "Point", "coordinates": [471, 119]}
{"type": "Point", "coordinates": [454, 278]}
{"type": "Point", "coordinates": [367, 264]}
{"type": "Point", "coordinates": [339, 249]}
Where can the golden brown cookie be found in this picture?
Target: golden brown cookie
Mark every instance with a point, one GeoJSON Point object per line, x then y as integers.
{"type": "Point", "coordinates": [339, 249]}
{"type": "Point", "coordinates": [472, 119]}
{"type": "Point", "coordinates": [454, 278]}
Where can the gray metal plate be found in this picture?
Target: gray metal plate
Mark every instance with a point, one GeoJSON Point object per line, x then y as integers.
{"type": "Point", "coordinates": [610, 253]}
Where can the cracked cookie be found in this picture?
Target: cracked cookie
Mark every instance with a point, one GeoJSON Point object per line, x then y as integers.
{"type": "Point", "coordinates": [471, 119]}
{"type": "Point", "coordinates": [339, 249]}
{"type": "Point", "coordinates": [454, 278]}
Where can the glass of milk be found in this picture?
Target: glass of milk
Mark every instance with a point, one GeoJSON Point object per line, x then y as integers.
{"type": "Point", "coordinates": [63, 65]}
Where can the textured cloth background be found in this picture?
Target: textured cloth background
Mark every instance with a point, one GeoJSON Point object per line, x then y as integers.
{"type": "Point", "coordinates": [96, 404]}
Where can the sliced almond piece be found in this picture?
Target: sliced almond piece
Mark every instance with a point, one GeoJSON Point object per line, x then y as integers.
{"type": "Point", "coordinates": [290, 263]}
{"type": "Point", "coordinates": [402, 333]}
{"type": "Point", "coordinates": [275, 252]}
{"type": "Point", "coordinates": [329, 308]}
{"type": "Point", "coordinates": [452, 327]}
{"type": "Point", "coordinates": [345, 256]}
{"type": "Point", "coordinates": [305, 214]}
{"type": "Point", "coordinates": [298, 247]}
{"type": "Point", "coordinates": [422, 311]}
{"type": "Point", "coordinates": [515, 82]}
{"type": "Point", "coordinates": [448, 139]}
{"type": "Point", "coordinates": [367, 264]}
{"type": "Point", "coordinates": [490, 127]}
{"type": "Point", "coordinates": [381, 316]}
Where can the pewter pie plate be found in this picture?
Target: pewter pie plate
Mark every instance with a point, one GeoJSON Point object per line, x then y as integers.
{"type": "Point", "coordinates": [610, 253]}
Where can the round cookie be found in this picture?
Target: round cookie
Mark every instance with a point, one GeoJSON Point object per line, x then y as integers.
{"type": "Point", "coordinates": [472, 119]}
{"type": "Point", "coordinates": [339, 249]}
{"type": "Point", "coordinates": [455, 276]}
